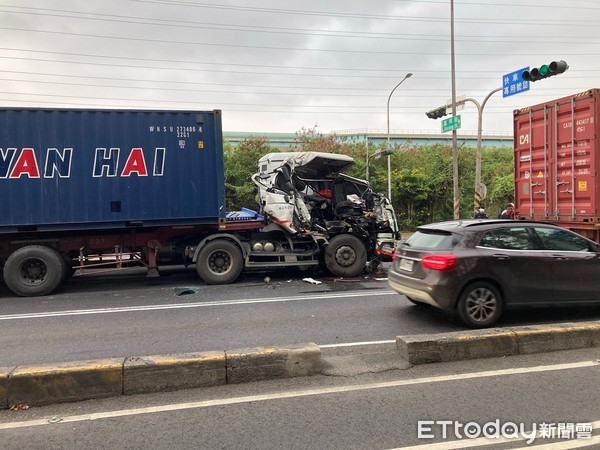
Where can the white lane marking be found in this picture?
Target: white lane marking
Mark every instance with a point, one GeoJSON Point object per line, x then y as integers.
{"type": "Point", "coordinates": [568, 444]}
{"type": "Point", "coordinates": [488, 442]}
{"type": "Point", "coordinates": [353, 344]}
{"type": "Point", "coordinates": [81, 312]}
{"type": "Point", "coordinates": [302, 393]}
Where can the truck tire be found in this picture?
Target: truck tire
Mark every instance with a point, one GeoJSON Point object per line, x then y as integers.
{"type": "Point", "coordinates": [34, 270]}
{"type": "Point", "coordinates": [345, 256]}
{"type": "Point", "coordinates": [219, 262]}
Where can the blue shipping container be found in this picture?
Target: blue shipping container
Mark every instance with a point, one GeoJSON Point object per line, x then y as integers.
{"type": "Point", "coordinates": [85, 169]}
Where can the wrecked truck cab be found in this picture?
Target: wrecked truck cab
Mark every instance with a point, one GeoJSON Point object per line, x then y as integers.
{"type": "Point", "coordinates": [309, 191]}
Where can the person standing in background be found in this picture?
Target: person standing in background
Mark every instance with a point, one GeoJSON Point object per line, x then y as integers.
{"type": "Point", "coordinates": [508, 213]}
{"type": "Point", "coordinates": [480, 214]}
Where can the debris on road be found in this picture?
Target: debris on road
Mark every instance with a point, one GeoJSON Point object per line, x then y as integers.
{"type": "Point", "coordinates": [347, 280]}
{"type": "Point", "coordinates": [19, 408]}
{"type": "Point", "coordinates": [185, 290]}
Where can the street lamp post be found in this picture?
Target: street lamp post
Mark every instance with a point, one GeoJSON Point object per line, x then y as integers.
{"type": "Point", "coordinates": [374, 155]}
{"type": "Point", "coordinates": [367, 161]}
{"type": "Point", "coordinates": [389, 164]}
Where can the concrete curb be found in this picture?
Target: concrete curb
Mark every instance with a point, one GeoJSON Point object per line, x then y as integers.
{"type": "Point", "coordinates": [4, 371]}
{"type": "Point", "coordinates": [171, 372]}
{"type": "Point", "coordinates": [495, 342]}
{"type": "Point", "coordinates": [83, 380]}
{"type": "Point", "coordinates": [272, 362]}
{"type": "Point", "coordinates": [64, 382]}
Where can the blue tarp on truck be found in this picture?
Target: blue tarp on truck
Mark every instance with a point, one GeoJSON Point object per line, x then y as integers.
{"type": "Point", "coordinates": [88, 169]}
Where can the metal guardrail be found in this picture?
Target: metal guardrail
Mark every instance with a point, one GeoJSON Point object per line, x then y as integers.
{"type": "Point", "coordinates": [364, 131]}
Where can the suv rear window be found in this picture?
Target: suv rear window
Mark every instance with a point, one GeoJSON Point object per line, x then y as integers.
{"type": "Point", "coordinates": [440, 240]}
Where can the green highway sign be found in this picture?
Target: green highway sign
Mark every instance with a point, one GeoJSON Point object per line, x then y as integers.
{"type": "Point", "coordinates": [452, 123]}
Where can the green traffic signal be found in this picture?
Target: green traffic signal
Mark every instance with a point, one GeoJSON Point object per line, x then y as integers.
{"type": "Point", "coordinates": [545, 71]}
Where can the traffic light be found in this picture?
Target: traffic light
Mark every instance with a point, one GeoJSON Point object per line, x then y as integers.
{"type": "Point", "coordinates": [437, 112]}
{"type": "Point", "coordinates": [545, 71]}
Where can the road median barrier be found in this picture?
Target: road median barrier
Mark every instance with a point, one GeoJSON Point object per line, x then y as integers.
{"type": "Point", "coordinates": [566, 336]}
{"type": "Point", "coordinates": [272, 362]}
{"type": "Point", "coordinates": [172, 372]}
{"type": "Point", "coordinates": [43, 384]}
{"type": "Point", "coordinates": [456, 346]}
{"type": "Point", "coordinates": [497, 342]}
{"type": "Point", "coordinates": [65, 382]}
{"type": "Point", "coordinates": [4, 372]}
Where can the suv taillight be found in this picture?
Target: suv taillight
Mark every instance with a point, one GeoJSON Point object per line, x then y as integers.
{"type": "Point", "coordinates": [444, 263]}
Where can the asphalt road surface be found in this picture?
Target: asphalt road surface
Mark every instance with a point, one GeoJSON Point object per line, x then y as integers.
{"type": "Point", "coordinates": [551, 392]}
{"type": "Point", "coordinates": [119, 315]}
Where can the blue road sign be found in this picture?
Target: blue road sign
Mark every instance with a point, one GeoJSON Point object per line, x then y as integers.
{"type": "Point", "coordinates": [513, 83]}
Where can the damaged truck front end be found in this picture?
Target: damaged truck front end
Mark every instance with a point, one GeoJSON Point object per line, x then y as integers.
{"type": "Point", "coordinates": [306, 196]}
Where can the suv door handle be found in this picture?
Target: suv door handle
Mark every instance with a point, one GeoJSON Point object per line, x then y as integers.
{"type": "Point", "coordinates": [501, 256]}
{"type": "Point", "coordinates": [560, 257]}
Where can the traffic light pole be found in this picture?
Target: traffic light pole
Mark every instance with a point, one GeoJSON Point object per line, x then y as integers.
{"type": "Point", "coordinates": [480, 107]}
{"type": "Point", "coordinates": [442, 111]}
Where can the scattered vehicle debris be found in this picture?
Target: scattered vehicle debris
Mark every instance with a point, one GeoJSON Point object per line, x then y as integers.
{"type": "Point", "coordinates": [185, 290]}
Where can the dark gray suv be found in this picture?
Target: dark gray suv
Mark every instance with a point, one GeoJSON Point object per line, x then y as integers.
{"type": "Point", "coordinates": [481, 267]}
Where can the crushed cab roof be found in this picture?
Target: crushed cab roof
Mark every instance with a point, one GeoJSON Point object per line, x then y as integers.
{"type": "Point", "coordinates": [311, 164]}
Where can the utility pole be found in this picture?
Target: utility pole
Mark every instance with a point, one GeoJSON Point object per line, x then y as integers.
{"type": "Point", "coordinates": [454, 137]}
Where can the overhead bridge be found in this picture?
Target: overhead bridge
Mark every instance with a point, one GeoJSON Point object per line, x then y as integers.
{"type": "Point", "coordinates": [286, 141]}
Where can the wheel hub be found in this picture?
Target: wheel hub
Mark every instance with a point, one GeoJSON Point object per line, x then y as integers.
{"type": "Point", "coordinates": [345, 256]}
{"type": "Point", "coordinates": [482, 305]}
{"type": "Point", "coordinates": [33, 271]}
{"type": "Point", "coordinates": [219, 262]}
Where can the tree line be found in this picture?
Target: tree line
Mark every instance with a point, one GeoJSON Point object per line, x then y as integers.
{"type": "Point", "coordinates": [421, 175]}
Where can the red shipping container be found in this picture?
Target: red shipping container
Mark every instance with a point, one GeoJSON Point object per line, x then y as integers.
{"type": "Point", "coordinates": [557, 161]}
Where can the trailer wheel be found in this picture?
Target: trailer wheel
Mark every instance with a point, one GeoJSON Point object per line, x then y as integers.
{"type": "Point", "coordinates": [34, 270]}
{"type": "Point", "coordinates": [345, 256]}
{"type": "Point", "coordinates": [220, 262]}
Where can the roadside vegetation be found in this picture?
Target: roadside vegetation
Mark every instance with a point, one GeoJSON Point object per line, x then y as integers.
{"type": "Point", "coordinates": [421, 175]}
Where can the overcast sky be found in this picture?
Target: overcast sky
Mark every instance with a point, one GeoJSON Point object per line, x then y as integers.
{"type": "Point", "coordinates": [279, 66]}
